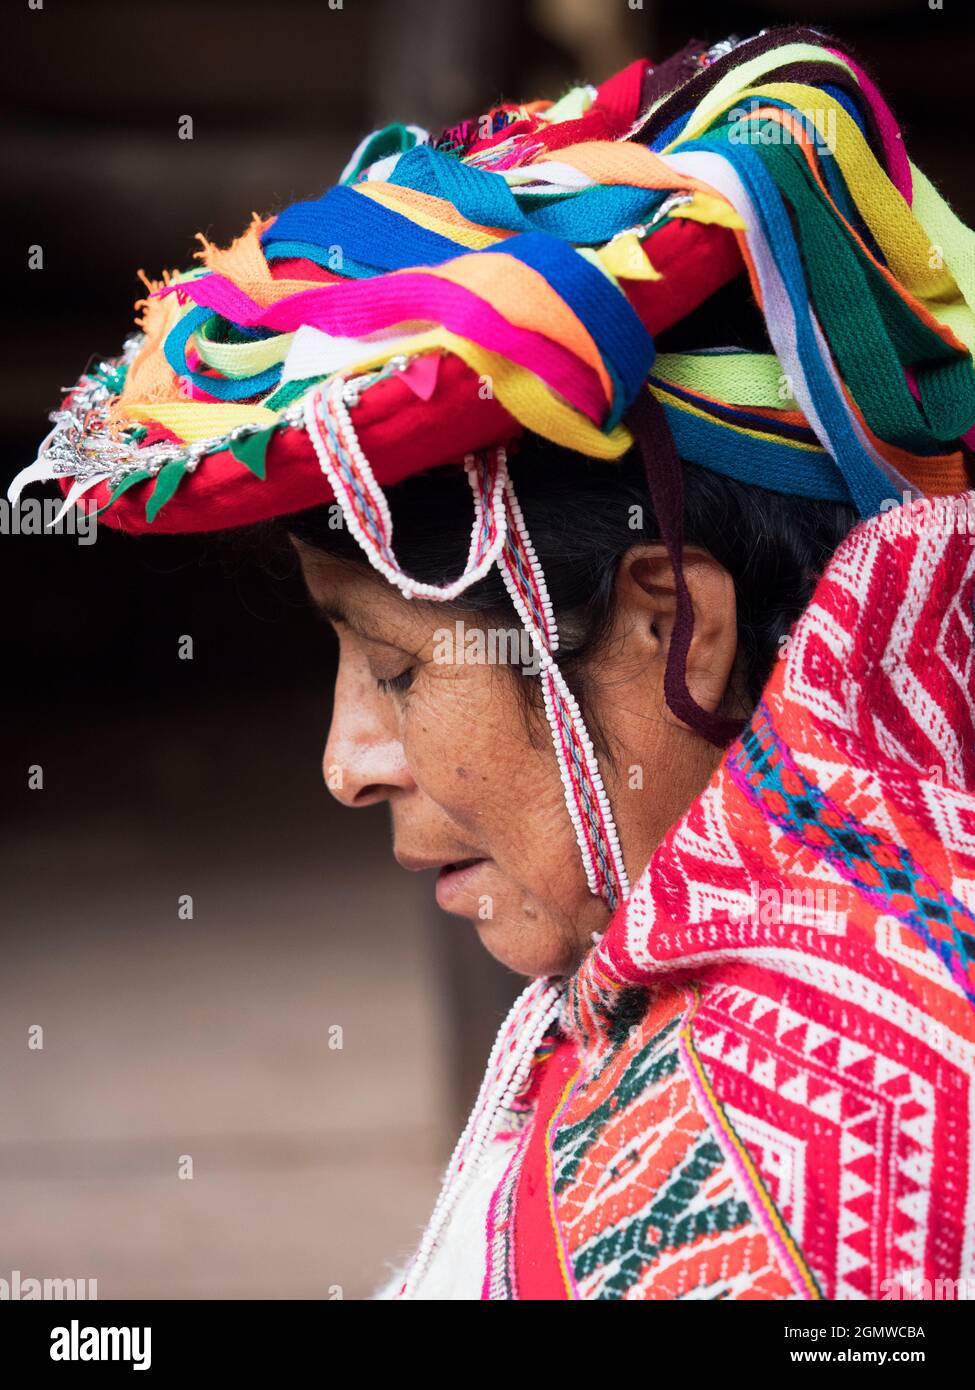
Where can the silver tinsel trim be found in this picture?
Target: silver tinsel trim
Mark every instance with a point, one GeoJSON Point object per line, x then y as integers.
{"type": "Point", "coordinates": [80, 446]}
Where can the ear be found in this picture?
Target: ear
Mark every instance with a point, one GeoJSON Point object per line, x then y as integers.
{"type": "Point", "coordinates": [645, 612]}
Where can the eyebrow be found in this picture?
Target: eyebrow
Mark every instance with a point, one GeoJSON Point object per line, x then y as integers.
{"type": "Point", "coordinates": [329, 611]}
{"type": "Point", "coordinates": [332, 612]}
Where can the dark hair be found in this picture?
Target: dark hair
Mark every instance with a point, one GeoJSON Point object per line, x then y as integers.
{"type": "Point", "coordinates": [582, 516]}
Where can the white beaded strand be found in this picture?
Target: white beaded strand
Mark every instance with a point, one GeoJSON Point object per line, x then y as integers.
{"type": "Point", "coordinates": [332, 401]}
{"type": "Point", "coordinates": [480, 1125]}
{"type": "Point", "coordinates": [552, 681]}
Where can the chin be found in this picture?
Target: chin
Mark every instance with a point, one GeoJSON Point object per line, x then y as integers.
{"type": "Point", "coordinates": [525, 949]}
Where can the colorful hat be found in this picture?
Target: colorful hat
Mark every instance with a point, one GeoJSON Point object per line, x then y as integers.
{"type": "Point", "coordinates": [511, 275]}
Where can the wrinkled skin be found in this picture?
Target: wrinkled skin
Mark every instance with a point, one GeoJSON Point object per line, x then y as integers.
{"type": "Point", "coordinates": [468, 770]}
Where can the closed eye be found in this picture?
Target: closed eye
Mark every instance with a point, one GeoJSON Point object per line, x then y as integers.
{"type": "Point", "coordinates": [401, 682]}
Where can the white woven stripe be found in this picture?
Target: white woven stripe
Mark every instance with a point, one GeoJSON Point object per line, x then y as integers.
{"type": "Point", "coordinates": [554, 688]}
{"type": "Point", "coordinates": [331, 401]}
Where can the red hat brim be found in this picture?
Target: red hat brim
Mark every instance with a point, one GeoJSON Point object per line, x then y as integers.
{"type": "Point", "coordinates": [400, 433]}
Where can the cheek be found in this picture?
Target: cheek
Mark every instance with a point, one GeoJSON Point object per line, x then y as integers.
{"type": "Point", "coordinates": [468, 743]}
{"type": "Point", "coordinates": [464, 738]}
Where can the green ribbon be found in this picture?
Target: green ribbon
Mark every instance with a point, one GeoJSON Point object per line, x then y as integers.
{"type": "Point", "coordinates": [873, 333]}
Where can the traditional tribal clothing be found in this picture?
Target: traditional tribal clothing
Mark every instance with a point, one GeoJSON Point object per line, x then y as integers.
{"type": "Point", "coordinates": [761, 1082]}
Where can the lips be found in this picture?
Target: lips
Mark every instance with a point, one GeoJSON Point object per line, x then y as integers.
{"type": "Point", "coordinates": [455, 879]}
{"type": "Point", "coordinates": [458, 864]}
{"type": "Point", "coordinates": [455, 882]}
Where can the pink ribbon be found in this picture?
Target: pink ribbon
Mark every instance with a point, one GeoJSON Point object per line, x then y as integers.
{"type": "Point", "coordinates": [358, 307]}
{"type": "Point", "coordinates": [898, 167]}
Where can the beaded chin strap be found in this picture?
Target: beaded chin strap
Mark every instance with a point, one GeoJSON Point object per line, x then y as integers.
{"type": "Point", "coordinates": [499, 537]}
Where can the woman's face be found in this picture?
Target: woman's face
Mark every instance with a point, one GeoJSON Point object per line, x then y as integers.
{"type": "Point", "coordinates": [435, 729]}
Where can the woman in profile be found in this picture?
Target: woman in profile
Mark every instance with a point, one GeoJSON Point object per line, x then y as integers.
{"type": "Point", "coordinates": [625, 441]}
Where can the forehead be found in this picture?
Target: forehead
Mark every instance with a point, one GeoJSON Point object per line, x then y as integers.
{"type": "Point", "coordinates": [349, 592]}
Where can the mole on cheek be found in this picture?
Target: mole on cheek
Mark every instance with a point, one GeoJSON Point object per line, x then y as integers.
{"type": "Point", "coordinates": [461, 771]}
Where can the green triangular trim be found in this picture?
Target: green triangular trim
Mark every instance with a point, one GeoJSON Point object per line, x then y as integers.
{"type": "Point", "coordinates": [168, 480]}
{"type": "Point", "coordinates": [251, 451]}
{"type": "Point", "coordinates": [139, 476]}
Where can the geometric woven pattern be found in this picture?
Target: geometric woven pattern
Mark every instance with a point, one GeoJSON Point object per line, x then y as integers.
{"type": "Point", "coordinates": [771, 1086]}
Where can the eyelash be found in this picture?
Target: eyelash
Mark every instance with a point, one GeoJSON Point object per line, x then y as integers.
{"type": "Point", "coordinates": [399, 683]}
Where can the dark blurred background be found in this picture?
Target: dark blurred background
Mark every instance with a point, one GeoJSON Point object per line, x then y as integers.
{"type": "Point", "coordinates": [211, 1038]}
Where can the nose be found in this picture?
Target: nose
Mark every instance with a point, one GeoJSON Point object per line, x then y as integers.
{"type": "Point", "coordinates": [364, 760]}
